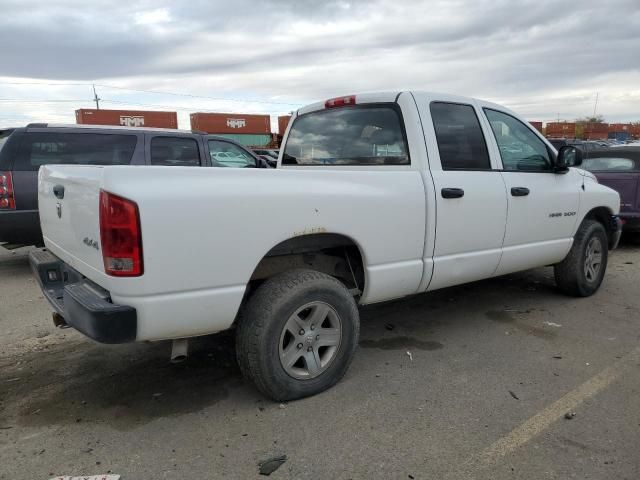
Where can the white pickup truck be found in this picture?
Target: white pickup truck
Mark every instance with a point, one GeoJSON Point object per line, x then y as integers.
{"type": "Point", "coordinates": [376, 197]}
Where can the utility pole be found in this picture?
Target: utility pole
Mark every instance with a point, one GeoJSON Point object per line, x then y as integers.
{"type": "Point", "coordinates": [95, 98]}
{"type": "Point", "coordinates": [596, 104]}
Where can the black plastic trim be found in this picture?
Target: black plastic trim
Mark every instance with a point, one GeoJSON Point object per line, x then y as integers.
{"type": "Point", "coordinates": [83, 304]}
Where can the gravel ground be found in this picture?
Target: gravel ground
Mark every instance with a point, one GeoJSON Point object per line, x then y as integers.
{"type": "Point", "coordinates": [468, 382]}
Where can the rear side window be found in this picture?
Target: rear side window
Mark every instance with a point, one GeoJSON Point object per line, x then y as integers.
{"type": "Point", "coordinates": [175, 151]}
{"type": "Point", "coordinates": [605, 164]}
{"type": "Point", "coordinates": [4, 134]}
{"type": "Point", "coordinates": [48, 148]}
{"type": "Point", "coordinates": [460, 139]}
{"type": "Point", "coordinates": [354, 135]}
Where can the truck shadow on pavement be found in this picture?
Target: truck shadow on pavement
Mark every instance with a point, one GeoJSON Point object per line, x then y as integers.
{"type": "Point", "coordinates": [123, 386]}
{"type": "Point", "coordinates": [126, 386]}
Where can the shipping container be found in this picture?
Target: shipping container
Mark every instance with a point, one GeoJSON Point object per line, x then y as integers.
{"type": "Point", "coordinates": [622, 136]}
{"type": "Point", "coordinates": [233, 123]}
{"type": "Point", "coordinates": [635, 131]}
{"type": "Point", "coordinates": [537, 126]}
{"type": "Point", "coordinates": [619, 127]}
{"type": "Point", "coordinates": [595, 131]}
{"type": "Point", "coordinates": [283, 122]}
{"type": "Point", "coordinates": [248, 139]}
{"type": "Point", "coordinates": [561, 130]}
{"type": "Point", "coordinates": [127, 118]}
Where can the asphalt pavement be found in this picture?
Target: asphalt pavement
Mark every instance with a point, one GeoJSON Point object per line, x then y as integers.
{"type": "Point", "coordinates": [499, 379]}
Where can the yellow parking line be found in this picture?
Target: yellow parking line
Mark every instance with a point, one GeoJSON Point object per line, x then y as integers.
{"type": "Point", "coordinates": [542, 420]}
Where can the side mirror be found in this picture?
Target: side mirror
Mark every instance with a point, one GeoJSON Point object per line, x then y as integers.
{"type": "Point", "coordinates": [568, 156]}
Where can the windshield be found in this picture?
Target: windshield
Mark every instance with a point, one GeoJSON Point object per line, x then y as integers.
{"type": "Point", "coordinates": [361, 135]}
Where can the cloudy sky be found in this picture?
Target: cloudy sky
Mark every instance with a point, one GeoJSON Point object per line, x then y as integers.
{"type": "Point", "coordinates": [545, 59]}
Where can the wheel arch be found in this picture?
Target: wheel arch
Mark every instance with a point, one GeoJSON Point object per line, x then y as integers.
{"type": "Point", "coordinates": [603, 216]}
{"type": "Point", "coordinates": [335, 254]}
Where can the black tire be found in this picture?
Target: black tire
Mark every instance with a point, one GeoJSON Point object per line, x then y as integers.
{"type": "Point", "coordinates": [263, 318]}
{"type": "Point", "coordinates": [570, 274]}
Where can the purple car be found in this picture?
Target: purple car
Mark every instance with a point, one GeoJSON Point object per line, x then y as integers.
{"type": "Point", "coordinates": [619, 168]}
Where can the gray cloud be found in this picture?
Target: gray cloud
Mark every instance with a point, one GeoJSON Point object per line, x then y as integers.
{"type": "Point", "coordinates": [522, 51]}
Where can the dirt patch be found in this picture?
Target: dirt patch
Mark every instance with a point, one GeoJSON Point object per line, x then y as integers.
{"type": "Point", "coordinates": [398, 343]}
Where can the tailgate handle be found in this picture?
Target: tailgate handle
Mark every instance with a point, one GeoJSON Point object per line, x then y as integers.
{"type": "Point", "coordinates": [58, 191]}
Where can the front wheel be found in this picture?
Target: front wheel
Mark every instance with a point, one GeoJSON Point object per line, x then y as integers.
{"type": "Point", "coordinates": [297, 334]}
{"type": "Point", "coordinates": [581, 272]}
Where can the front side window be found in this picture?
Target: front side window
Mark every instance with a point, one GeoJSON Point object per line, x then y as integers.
{"type": "Point", "coordinates": [74, 148]}
{"type": "Point", "coordinates": [520, 148]}
{"type": "Point", "coordinates": [460, 139]}
{"type": "Point", "coordinates": [608, 164]}
{"type": "Point", "coordinates": [175, 151]}
{"type": "Point", "coordinates": [353, 135]}
{"type": "Point", "coordinates": [225, 154]}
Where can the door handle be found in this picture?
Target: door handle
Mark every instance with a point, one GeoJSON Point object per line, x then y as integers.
{"type": "Point", "coordinates": [519, 191]}
{"type": "Point", "coordinates": [452, 192]}
{"type": "Point", "coordinates": [58, 191]}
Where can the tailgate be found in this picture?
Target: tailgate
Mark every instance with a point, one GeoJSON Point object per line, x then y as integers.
{"type": "Point", "coordinates": [68, 200]}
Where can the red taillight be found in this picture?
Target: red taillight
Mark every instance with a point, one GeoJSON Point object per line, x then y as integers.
{"type": "Point", "coordinates": [7, 200]}
{"type": "Point", "coordinates": [120, 236]}
{"type": "Point", "coordinates": [340, 101]}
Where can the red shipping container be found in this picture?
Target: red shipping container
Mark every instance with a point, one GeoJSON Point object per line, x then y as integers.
{"type": "Point", "coordinates": [127, 118]}
{"type": "Point", "coordinates": [635, 131]}
{"type": "Point", "coordinates": [561, 129]}
{"type": "Point", "coordinates": [283, 122]}
{"type": "Point", "coordinates": [537, 126]}
{"type": "Point", "coordinates": [619, 127]}
{"type": "Point", "coordinates": [231, 123]}
{"type": "Point", "coordinates": [596, 131]}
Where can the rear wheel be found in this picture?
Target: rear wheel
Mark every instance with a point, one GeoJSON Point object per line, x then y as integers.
{"type": "Point", "coordinates": [581, 272]}
{"type": "Point", "coordinates": [297, 334]}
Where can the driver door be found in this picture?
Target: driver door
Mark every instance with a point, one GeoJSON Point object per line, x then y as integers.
{"type": "Point", "coordinates": [542, 204]}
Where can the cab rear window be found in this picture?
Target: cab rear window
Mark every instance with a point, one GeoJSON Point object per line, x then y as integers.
{"type": "Point", "coordinates": [353, 135]}
{"type": "Point", "coordinates": [46, 148]}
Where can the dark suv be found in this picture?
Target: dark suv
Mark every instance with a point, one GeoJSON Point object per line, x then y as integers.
{"type": "Point", "coordinates": [24, 150]}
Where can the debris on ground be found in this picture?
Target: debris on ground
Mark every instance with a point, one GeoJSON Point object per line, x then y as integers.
{"type": "Point", "coordinates": [389, 326]}
{"type": "Point", "coordinates": [513, 394]}
{"type": "Point", "coordinates": [569, 415]}
{"type": "Point", "coordinates": [558, 357]}
{"type": "Point", "coordinates": [552, 324]}
{"type": "Point", "coordinates": [88, 477]}
{"type": "Point", "coordinates": [270, 465]}
{"type": "Point", "coordinates": [410, 356]}
{"type": "Point", "coordinates": [283, 405]}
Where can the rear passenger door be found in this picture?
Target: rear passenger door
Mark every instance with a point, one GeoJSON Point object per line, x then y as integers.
{"type": "Point", "coordinates": [174, 150]}
{"type": "Point", "coordinates": [543, 204]}
{"type": "Point", "coordinates": [470, 196]}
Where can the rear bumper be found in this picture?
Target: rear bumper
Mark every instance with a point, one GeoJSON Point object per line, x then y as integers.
{"type": "Point", "coordinates": [630, 223]}
{"type": "Point", "coordinates": [20, 227]}
{"type": "Point", "coordinates": [84, 305]}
